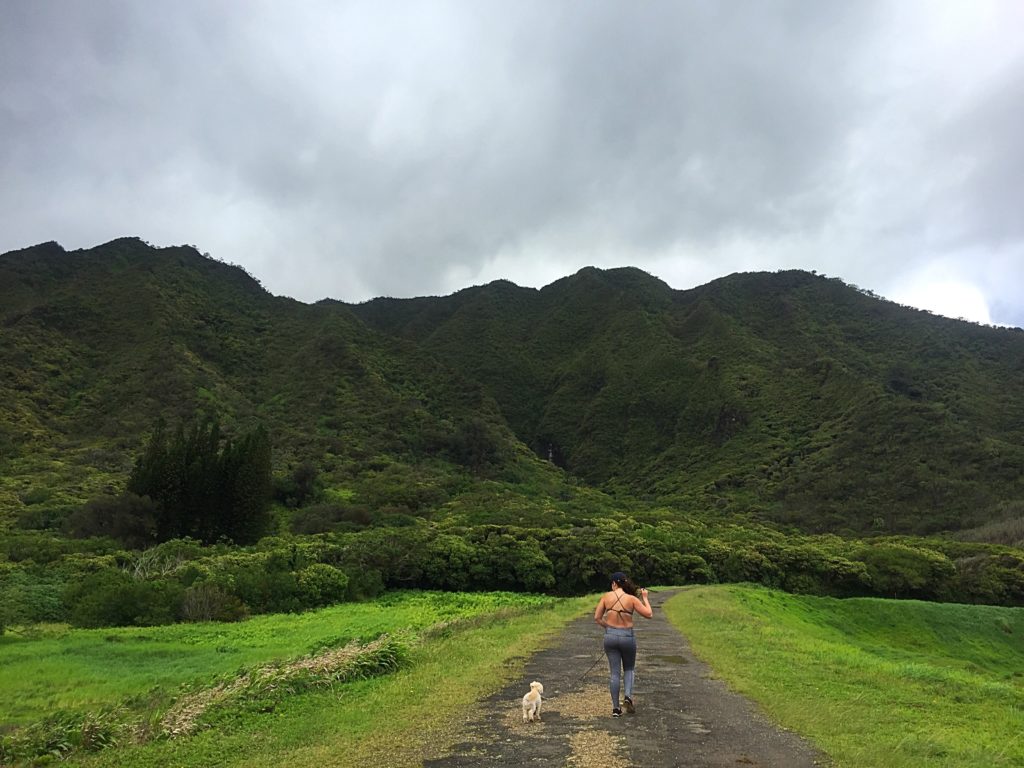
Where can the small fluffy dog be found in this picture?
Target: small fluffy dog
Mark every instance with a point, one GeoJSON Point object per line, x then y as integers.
{"type": "Point", "coordinates": [532, 701]}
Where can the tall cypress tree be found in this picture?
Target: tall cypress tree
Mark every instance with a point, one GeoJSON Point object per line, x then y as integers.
{"type": "Point", "coordinates": [203, 489]}
{"type": "Point", "coordinates": [156, 475]}
{"type": "Point", "coordinates": [251, 486]}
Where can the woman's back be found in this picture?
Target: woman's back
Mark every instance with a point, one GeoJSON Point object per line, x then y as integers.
{"type": "Point", "coordinates": [618, 609]}
{"type": "Point", "coordinates": [614, 612]}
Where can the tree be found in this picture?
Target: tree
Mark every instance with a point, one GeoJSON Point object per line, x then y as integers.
{"type": "Point", "coordinates": [245, 480]}
{"type": "Point", "coordinates": [304, 478]}
{"type": "Point", "coordinates": [129, 518]}
{"type": "Point", "coordinates": [203, 489]}
{"type": "Point", "coordinates": [474, 446]}
{"type": "Point", "coordinates": [903, 571]}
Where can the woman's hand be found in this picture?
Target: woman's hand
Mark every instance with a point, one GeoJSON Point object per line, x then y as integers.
{"type": "Point", "coordinates": [645, 609]}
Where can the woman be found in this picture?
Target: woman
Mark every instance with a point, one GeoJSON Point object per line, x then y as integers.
{"type": "Point", "coordinates": [614, 612]}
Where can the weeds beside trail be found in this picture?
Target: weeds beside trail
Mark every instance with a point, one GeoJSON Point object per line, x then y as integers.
{"type": "Point", "coordinates": [265, 687]}
{"type": "Point", "coordinates": [901, 684]}
{"type": "Point", "coordinates": [57, 669]}
{"type": "Point", "coordinates": [390, 721]}
{"type": "Point", "coordinates": [125, 693]}
{"type": "Point", "coordinates": [257, 690]}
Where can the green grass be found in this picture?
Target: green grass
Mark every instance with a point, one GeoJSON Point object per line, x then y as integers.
{"type": "Point", "coordinates": [82, 669]}
{"type": "Point", "coordinates": [387, 722]}
{"type": "Point", "coordinates": [872, 682]}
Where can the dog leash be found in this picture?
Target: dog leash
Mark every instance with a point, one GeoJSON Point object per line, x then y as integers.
{"type": "Point", "coordinates": [596, 660]}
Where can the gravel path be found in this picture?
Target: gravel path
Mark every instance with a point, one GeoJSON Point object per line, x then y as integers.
{"type": "Point", "coordinates": [684, 717]}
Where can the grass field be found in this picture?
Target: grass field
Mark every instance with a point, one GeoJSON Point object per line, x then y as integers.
{"type": "Point", "coordinates": [383, 721]}
{"type": "Point", "coordinates": [875, 683]}
{"type": "Point", "coordinates": [79, 669]}
{"type": "Point", "coordinates": [387, 722]}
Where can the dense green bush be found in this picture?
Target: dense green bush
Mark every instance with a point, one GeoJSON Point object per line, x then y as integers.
{"type": "Point", "coordinates": [991, 578]}
{"type": "Point", "coordinates": [44, 517]}
{"type": "Point", "coordinates": [262, 587]}
{"type": "Point", "coordinates": [321, 518]}
{"type": "Point", "coordinates": [98, 585]}
{"type": "Point", "coordinates": [28, 596]}
{"type": "Point", "coordinates": [34, 547]}
{"type": "Point", "coordinates": [130, 519]}
{"type": "Point", "coordinates": [898, 570]}
{"type": "Point", "coordinates": [206, 601]}
{"type": "Point", "coordinates": [113, 598]}
{"type": "Point", "coordinates": [300, 486]}
{"type": "Point", "coordinates": [475, 446]}
{"type": "Point", "coordinates": [321, 584]}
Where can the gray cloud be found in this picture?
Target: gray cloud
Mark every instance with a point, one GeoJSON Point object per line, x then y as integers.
{"type": "Point", "coordinates": [354, 150]}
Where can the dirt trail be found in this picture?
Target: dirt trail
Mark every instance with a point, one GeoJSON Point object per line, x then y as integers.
{"type": "Point", "coordinates": [684, 717]}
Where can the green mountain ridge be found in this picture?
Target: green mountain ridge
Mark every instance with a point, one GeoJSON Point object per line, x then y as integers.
{"type": "Point", "coordinates": [100, 344]}
{"type": "Point", "coordinates": [784, 395]}
{"type": "Point", "coordinates": [794, 395]}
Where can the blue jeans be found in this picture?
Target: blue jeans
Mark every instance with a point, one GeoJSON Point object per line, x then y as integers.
{"type": "Point", "coordinates": [620, 648]}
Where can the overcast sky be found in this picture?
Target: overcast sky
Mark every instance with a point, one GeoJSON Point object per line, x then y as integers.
{"type": "Point", "coordinates": [354, 150]}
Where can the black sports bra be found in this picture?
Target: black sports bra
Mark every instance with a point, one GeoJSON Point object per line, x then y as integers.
{"type": "Point", "coordinates": [618, 601]}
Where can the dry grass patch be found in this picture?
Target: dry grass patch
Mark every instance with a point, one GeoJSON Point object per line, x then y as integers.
{"type": "Point", "coordinates": [332, 665]}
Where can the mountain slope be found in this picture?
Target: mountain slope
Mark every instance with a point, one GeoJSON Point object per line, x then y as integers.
{"type": "Point", "coordinates": [790, 394]}
{"type": "Point", "coordinates": [99, 344]}
{"type": "Point", "coordinates": [786, 395]}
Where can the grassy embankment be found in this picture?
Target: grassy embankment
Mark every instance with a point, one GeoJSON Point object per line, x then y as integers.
{"type": "Point", "coordinates": [872, 682]}
{"type": "Point", "coordinates": [387, 720]}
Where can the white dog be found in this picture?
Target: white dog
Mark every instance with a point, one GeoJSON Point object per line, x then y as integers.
{"type": "Point", "coordinates": [532, 701]}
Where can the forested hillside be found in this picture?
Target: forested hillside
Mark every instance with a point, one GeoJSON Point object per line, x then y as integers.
{"type": "Point", "coordinates": [790, 394]}
{"type": "Point", "coordinates": [785, 396]}
{"type": "Point", "coordinates": [100, 345]}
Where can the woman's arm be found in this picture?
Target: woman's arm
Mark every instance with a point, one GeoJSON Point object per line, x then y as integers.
{"type": "Point", "coordinates": [642, 606]}
{"type": "Point", "coordinates": [599, 613]}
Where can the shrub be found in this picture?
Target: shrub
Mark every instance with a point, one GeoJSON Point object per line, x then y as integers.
{"type": "Point", "coordinates": [451, 563]}
{"type": "Point", "coordinates": [128, 518]}
{"type": "Point", "coordinates": [44, 517]}
{"type": "Point", "coordinates": [37, 547]}
{"type": "Point", "coordinates": [10, 611]}
{"type": "Point", "coordinates": [989, 578]}
{"type": "Point", "coordinates": [112, 598]}
{"type": "Point", "coordinates": [27, 597]}
{"type": "Point", "coordinates": [899, 570]}
{"type": "Point", "coordinates": [475, 446]}
{"type": "Point", "coordinates": [322, 518]}
{"type": "Point", "coordinates": [191, 573]}
{"type": "Point", "coordinates": [693, 569]}
{"type": "Point", "coordinates": [181, 549]}
{"type": "Point", "coordinates": [36, 496]}
{"type": "Point", "coordinates": [263, 589]}
{"type": "Point", "coordinates": [321, 584]}
{"type": "Point", "coordinates": [157, 602]}
{"type": "Point", "coordinates": [209, 602]}
{"type": "Point", "coordinates": [748, 564]}
{"type": "Point", "coordinates": [304, 478]}
{"type": "Point", "coordinates": [365, 584]}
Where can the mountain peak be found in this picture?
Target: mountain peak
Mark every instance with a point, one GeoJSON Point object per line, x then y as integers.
{"type": "Point", "coordinates": [612, 277]}
{"type": "Point", "coordinates": [48, 249]}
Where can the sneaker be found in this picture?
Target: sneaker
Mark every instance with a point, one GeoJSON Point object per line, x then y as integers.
{"type": "Point", "coordinates": [628, 703]}
{"type": "Point", "coordinates": [616, 712]}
